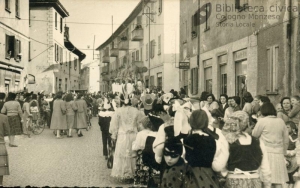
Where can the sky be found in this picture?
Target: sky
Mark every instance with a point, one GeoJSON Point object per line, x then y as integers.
{"type": "Point", "coordinates": [91, 19]}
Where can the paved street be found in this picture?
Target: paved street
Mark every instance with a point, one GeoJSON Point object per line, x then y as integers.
{"type": "Point", "coordinates": [43, 160]}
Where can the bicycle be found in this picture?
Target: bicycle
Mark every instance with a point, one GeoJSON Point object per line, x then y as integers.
{"type": "Point", "coordinates": [36, 126]}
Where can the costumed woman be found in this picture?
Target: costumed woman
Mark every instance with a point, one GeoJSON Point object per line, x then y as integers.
{"type": "Point", "coordinates": [248, 164]}
{"type": "Point", "coordinates": [123, 128]}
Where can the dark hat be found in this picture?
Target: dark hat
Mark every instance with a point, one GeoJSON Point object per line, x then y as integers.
{"type": "Point", "coordinates": [173, 146]}
{"type": "Point", "coordinates": [147, 101]}
{"type": "Point", "coordinates": [199, 119]}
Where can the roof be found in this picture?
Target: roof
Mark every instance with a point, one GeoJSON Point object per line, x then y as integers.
{"type": "Point", "coordinates": [50, 3]}
{"type": "Point", "coordinates": [124, 25]}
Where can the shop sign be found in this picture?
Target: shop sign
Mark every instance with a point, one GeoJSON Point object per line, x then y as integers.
{"type": "Point", "coordinates": [184, 65]}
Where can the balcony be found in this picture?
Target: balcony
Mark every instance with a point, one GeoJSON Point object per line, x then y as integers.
{"type": "Point", "coordinates": [104, 70]}
{"type": "Point", "coordinates": [124, 45]}
{"type": "Point", "coordinates": [105, 59]}
{"type": "Point", "coordinates": [137, 34]}
{"type": "Point", "coordinates": [114, 52]}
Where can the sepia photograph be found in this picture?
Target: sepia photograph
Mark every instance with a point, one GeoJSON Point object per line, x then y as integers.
{"type": "Point", "coordinates": [150, 93]}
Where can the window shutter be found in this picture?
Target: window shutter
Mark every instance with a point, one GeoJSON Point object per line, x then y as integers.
{"type": "Point", "coordinates": [133, 56]}
{"type": "Point", "coordinates": [137, 53]}
{"type": "Point", "coordinates": [16, 49]}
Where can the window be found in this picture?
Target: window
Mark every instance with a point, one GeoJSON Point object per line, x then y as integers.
{"type": "Point", "coordinates": [159, 81]}
{"type": "Point", "coordinates": [241, 4]}
{"type": "Point", "coordinates": [133, 56]}
{"type": "Point", "coordinates": [207, 16]}
{"type": "Point", "coordinates": [75, 63]}
{"type": "Point", "coordinates": [241, 74]}
{"type": "Point", "coordinates": [194, 78]}
{"type": "Point", "coordinates": [17, 9]}
{"type": "Point", "coordinates": [17, 83]}
{"type": "Point", "coordinates": [61, 24]}
{"type": "Point", "coordinates": [222, 61]}
{"type": "Point", "coordinates": [193, 24]}
{"type": "Point", "coordinates": [272, 55]}
{"type": "Point", "coordinates": [7, 83]}
{"type": "Point", "coordinates": [17, 50]}
{"type": "Point", "coordinates": [137, 54]}
{"type": "Point", "coordinates": [151, 81]}
{"type": "Point", "coordinates": [160, 6]}
{"type": "Point", "coordinates": [59, 85]}
{"type": "Point", "coordinates": [147, 51]}
{"type": "Point", "coordinates": [7, 5]}
{"type": "Point", "coordinates": [152, 49]}
{"type": "Point", "coordinates": [159, 45]}
{"type": "Point", "coordinates": [66, 84]}
{"type": "Point", "coordinates": [66, 58]}
{"type": "Point", "coordinates": [9, 46]}
{"type": "Point", "coordinates": [55, 20]}
{"type": "Point", "coordinates": [70, 61]}
{"type": "Point", "coordinates": [208, 75]}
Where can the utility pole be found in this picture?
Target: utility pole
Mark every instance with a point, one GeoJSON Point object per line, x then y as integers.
{"type": "Point", "coordinates": [94, 46]}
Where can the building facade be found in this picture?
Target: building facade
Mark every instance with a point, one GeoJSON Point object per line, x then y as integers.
{"type": "Point", "coordinates": [237, 46]}
{"type": "Point", "coordinates": [90, 77]}
{"type": "Point", "coordinates": [145, 47]}
{"type": "Point", "coordinates": [14, 40]}
{"type": "Point", "coordinates": [54, 60]}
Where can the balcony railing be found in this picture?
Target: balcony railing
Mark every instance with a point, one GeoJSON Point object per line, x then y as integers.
{"type": "Point", "coordinates": [114, 52]}
{"type": "Point", "coordinates": [105, 59]}
{"type": "Point", "coordinates": [124, 45]}
{"type": "Point", "coordinates": [137, 35]}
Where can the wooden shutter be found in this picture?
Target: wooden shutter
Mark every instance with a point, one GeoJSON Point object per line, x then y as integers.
{"type": "Point", "coordinates": [137, 53]}
{"type": "Point", "coordinates": [16, 48]}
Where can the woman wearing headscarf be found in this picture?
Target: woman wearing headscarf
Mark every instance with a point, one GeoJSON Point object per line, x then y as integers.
{"type": "Point", "coordinates": [273, 132]}
{"type": "Point", "coordinates": [12, 109]}
{"type": "Point", "coordinates": [248, 164]}
{"type": "Point", "coordinates": [81, 114]}
{"type": "Point", "coordinates": [59, 120]}
{"type": "Point", "coordinates": [123, 127]}
{"type": "Point", "coordinates": [205, 153]}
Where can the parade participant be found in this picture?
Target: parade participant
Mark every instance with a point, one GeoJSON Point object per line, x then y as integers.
{"type": "Point", "coordinates": [58, 120]}
{"type": "Point", "coordinates": [34, 111]}
{"type": "Point", "coordinates": [26, 114]}
{"type": "Point", "coordinates": [4, 131]}
{"type": "Point", "coordinates": [123, 128]}
{"type": "Point", "coordinates": [145, 169]}
{"type": "Point", "coordinates": [290, 157]}
{"type": "Point", "coordinates": [13, 111]}
{"type": "Point", "coordinates": [70, 112]}
{"type": "Point", "coordinates": [223, 103]}
{"type": "Point", "coordinates": [248, 100]}
{"type": "Point", "coordinates": [234, 105]}
{"type": "Point", "coordinates": [273, 132]}
{"type": "Point", "coordinates": [105, 115]}
{"type": "Point", "coordinates": [294, 114]}
{"type": "Point", "coordinates": [203, 99]}
{"type": "Point", "coordinates": [80, 115]}
{"type": "Point", "coordinates": [247, 155]}
{"type": "Point", "coordinates": [286, 108]}
{"type": "Point", "coordinates": [205, 152]}
{"type": "Point", "coordinates": [211, 102]}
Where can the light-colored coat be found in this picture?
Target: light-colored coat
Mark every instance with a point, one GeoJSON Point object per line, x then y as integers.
{"type": "Point", "coordinates": [59, 119]}
{"type": "Point", "coordinates": [81, 114]}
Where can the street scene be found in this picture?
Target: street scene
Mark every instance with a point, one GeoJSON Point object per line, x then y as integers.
{"type": "Point", "coordinates": [150, 93]}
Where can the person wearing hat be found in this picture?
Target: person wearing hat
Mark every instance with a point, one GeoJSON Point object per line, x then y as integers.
{"type": "Point", "coordinates": [123, 127]}
{"type": "Point", "coordinates": [248, 159]}
{"type": "Point", "coordinates": [205, 154]}
{"type": "Point", "coordinates": [105, 115]}
{"type": "Point", "coordinates": [12, 109]}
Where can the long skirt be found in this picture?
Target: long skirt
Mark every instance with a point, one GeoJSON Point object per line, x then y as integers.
{"type": "Point", "coordinates": [15, 125]}
{"type": "Point", "coordinates": [80, 120]}
{"type": "Point", "coordinates": [124, 163]}
{"type": "Point", "coordinates": [70, 121]}
{"type": "Point", "coordinates": [202, 177]}
{"type": "Point", "coordinates": [4, 165]}
{"type": "Point", "coordinates": [278, 168]}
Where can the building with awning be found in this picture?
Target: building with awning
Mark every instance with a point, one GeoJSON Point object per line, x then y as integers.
{"type": "Point", "coordinates": [55, 61]}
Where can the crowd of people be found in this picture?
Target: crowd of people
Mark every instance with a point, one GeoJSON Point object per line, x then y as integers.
{"type": "Point", "coordinates": [170, 140]}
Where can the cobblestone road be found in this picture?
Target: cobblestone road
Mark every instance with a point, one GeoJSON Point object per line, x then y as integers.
{"type": "Point", "coordinates": [43, 160]}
